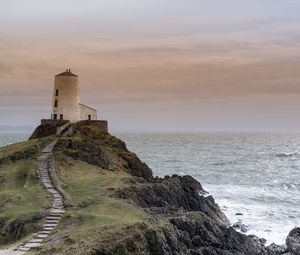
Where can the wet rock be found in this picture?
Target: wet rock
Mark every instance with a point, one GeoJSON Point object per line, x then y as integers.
{"type": "Point", "coordinates": [293, 241]}
{"type": "Point", "coordinates": [240, 226]}
{"type": "Point", "coordinates": [274, 249]}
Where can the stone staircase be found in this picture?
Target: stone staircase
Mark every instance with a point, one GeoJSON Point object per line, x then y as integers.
{"type": "Point", "coordinates": [45, 167]}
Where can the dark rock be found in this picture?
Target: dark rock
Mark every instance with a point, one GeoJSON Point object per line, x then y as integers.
{"type": "Point", "coordinates": [85, 151]}
{"type": "Point", "coordinates": [182, 219]}
{"type": "Point", "coordinates": [274, 249]}
{"type": "Point", "coordinates": [14, 230]}
{"type": "Point", "coordinates": [293, 241]}
{"type": "Point", "coordinates": [136, 166]}
{"type": "Point", "coordinates": [205, 232]}
{"type": "Point", "coordinates": [197, 241]}
{"type": "Point", "coordinates": [174, 192]}
{"type": "Point", "coordinates": [24, 154]}
{"type": "Point", "coordinates": [240, 226]}
{"type": "Point", "coordinates": [46, 129]}
{"type": "Point", "coordinates": [258, 242]}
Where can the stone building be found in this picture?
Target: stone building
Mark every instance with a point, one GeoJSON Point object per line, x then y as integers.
{"type": "Point", "coordinates": [66, 100]}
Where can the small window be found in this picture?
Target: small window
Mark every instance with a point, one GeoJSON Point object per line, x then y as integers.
{"type": "Point", "coordinates": [56, 93]}
{"type": "Point", "coordinates": [55, 116]}
{"type": "Point", "coordinates": [90, 117]}
{"type": "Point", "coordinates": [55, 103]}
{"type": "Point", "coordinates": [61, 116]}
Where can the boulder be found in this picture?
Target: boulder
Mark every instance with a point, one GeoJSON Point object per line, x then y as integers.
{"type": "Point", "coordinates": [293, 241]}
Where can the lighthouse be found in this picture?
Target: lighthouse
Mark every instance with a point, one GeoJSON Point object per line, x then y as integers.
{"type": "Point", "coordinates": [66, 99]}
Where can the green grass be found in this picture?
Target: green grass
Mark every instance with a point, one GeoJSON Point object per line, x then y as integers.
{"type": "Point", "coordinates": [93, 212]}
{"type": "Point", "coordinates": [21, 148]}
{"type": "Point", "coordinates": [21, 195]}
{"type": "Point", "coordinates": [90, 187]}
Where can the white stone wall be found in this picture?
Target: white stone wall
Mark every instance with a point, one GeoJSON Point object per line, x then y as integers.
{"type": "Point", "coordinates": [87, 113]}
{"type": "Point", "coordinates": [67, 99]}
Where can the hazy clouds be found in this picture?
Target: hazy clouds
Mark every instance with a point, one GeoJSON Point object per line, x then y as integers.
{"type": "Point", "coordinates": [168, 64]}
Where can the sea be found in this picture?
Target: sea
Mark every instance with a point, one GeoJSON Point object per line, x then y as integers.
{"type": "Point", "coordinates": [254, 177]}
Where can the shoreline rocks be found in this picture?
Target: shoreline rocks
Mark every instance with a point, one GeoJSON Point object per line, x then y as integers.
{"type": "Point", "coordinates": [293, 241]}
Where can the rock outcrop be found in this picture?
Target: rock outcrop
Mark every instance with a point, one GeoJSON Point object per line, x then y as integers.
{"type": "Point", "coordinates": [47, 128]}
{"type": "Point", "coordinates": [293, 241]}
{"type": "Point", "coordinates": [173, 193]}
{"type": "Point", "coordinates": [13, 230]}
{"type": "Point", "coordinates": [179, 215]}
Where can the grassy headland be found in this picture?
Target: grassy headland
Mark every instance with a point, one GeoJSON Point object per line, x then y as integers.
{"type": "Point", "coordinates": [22, 199]}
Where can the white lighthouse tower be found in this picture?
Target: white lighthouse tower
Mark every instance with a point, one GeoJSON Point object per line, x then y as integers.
{"type": "Point", "coordinates": [66, 100]}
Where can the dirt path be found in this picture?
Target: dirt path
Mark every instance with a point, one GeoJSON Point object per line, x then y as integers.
{"type": "Point", "coordinates": [45, 167]}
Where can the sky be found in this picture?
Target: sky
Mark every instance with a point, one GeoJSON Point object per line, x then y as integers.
{"type": "Point", "coordinates": [156, 65]}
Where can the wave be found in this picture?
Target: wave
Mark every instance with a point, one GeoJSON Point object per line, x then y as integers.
{"type": "Point", "coordinates": [286, 155]}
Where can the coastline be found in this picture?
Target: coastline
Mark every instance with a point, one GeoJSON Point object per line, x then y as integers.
{"type": "Point", "coordinates": [247, 233]}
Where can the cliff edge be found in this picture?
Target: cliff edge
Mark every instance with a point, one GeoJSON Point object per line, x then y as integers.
{"type": "Point", "coordinates": [114, 205]}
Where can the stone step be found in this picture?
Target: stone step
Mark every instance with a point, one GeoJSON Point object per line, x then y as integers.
{"type": "Point", "coordinates": [55, 211]}
{"type": "Point", "coordinates": [53, 222]}
{"type": "Point", "coordinates": [32, 245]}
{"type": "Point", "coordinates": [48, 228]}
{"type": "Point", "coordinates": [22, 248]}
{"type": "Point", "coordinates": [36, 240]}
{"type": "Point", "coordinates": [45, 165]}
{"type": "Point", "coordinates": [48, 185]}
{"type": "Point", "coordinates": [42, 236]}
{"type": "Point", "coordinates": [53, 191]}
{"type": "Point", "coordinates": [44, 232]}
{"type": "Point", "coordinates": [57, 201]}
{"type": "Point", "coordinates": [53, 218]}
{"type": "Point", "coordinates": [50, 225]}
{"type": "Point", "coordinates": [55, 214]}
{"type": "Point", "coordinates": [57, 205]}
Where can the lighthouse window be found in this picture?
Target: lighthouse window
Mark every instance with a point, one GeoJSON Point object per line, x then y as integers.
{"type": "Point", "coordinates": [55, 103]}
{"type": "Point", "coordinates": [56, 93]}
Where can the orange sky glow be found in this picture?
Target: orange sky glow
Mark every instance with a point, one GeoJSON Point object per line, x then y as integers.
{"type": "Point", "coordinates": [160, 65]}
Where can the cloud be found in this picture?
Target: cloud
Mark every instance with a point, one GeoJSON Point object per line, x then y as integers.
{"type": "Point", "coordinates": [5, 70]}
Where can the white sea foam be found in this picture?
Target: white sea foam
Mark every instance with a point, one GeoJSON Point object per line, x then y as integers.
{"type": "Point", "coordinates": [256, 175]}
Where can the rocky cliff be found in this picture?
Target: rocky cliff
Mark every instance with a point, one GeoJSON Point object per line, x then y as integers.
{"type": "Point", "coordinates": [114, 205]}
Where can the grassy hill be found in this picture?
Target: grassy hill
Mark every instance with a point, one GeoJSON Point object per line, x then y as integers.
{"type": "Point", "coordinates": [113, 203]}
{"type": "Point", "coordinates": [22, 199]}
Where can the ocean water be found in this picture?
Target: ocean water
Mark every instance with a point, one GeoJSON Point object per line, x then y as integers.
{"type": "Point", "coordinates": [256, 176]}
{"type": "Point", "coordinates": [6, 139]}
